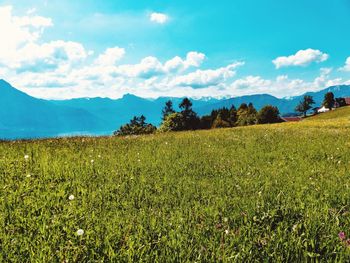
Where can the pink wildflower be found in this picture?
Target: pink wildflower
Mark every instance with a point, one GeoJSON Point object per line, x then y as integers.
{"type": "Point", "coordinates": [341, 236]}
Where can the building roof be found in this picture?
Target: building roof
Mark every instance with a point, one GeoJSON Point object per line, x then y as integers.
{"type": "Point", "coordinates": [347, 100]}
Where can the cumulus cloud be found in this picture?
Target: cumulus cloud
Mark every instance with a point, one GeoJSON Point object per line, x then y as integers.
{"type": "Point", "coordinates": [16, 31]}
{"type": "Point", "coordinates": [48, 56]}
{"type": "Point", "coordinates": [159, 18]}
{"type": "Point", "coordinates": [19, 48]}
{"type": "Point", "coordinates": [147, 68]}
{"type": "Point", "coordinates": [65, 69]}
{"type": "Point", "coordinates": [111, 56]}
{"type": "Point", "coordinates": [346, 66]}
{"type": "Point", "coordinates": [301, 58]}
{"type": "Point", "coordinates": [282, 85]}
{"type": "Point", "coordinates": [206, 78]}
{"type": "Point", "coordinates": [150, 67]}
{"type": "Point", "coordinates": [176, 64]}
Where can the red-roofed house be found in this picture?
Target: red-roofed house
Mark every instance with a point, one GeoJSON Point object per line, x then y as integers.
{"type": "Point", "coordinates": [347, 101]}
{"type": "Point", "coordinates": [289, 119]}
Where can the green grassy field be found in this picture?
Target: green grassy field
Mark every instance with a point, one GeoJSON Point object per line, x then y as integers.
{"type": "Point", "coordinates": [261, 193]}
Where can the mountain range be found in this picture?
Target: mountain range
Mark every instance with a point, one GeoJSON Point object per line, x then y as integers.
{"type": "Point", "coordinates": [23, 116]}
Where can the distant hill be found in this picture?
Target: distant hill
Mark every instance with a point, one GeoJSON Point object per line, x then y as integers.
{"type": "Point", "coordinates": [119, 111]}
{"type": "Point", "coordinates": [22, 116]}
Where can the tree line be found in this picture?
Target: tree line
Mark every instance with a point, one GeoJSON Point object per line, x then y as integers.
{"type": "Point", "coordinates": [187, 119]}
{"type": "Point", "coordinates": [329, 102]}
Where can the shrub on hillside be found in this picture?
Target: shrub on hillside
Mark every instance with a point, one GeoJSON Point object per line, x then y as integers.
{"type": "Point", "coordinates": [173, 122]}
{"type": "Point", "coordinates": [246, 115]}
{"type": "Point", "coordinates": [268, 114]}
{"type": "Point", "coordinates": [220, 123]}
{"type": "Point", "coordinates": [137, 126]}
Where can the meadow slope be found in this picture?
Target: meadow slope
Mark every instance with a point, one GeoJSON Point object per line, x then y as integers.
{"type": "Point", "coordinates": [278, 192]}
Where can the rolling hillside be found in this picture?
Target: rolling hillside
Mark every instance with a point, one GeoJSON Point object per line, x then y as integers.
{"type": "Point", "coordinates": [260, 193]}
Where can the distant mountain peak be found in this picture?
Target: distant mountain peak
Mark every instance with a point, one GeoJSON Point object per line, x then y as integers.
{"type": "Point", "coordinates": [129, 95]}
{"type": "Point", "coordinates": [4, 83]}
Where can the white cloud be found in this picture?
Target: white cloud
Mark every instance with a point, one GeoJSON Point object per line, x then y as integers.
{"type": "Point", "coordinates": [19, 48]}
{"type": "Point", "coordinates": [111, 56]}
{"type": "Point", "coordinates": [176, 64]}
{"type": "Point", "coordinates": [194, 59]}
{"type": "Point", "coordinates": [159, 18]}
{"type": "Point", "coordinates": [64, 69]}
{"type": "Point", "coordinates": [147, 68]}
{"type": "Point", "coordinates": [33, 21]}
{"type": "Point", "coordinates": [31, 11]}
{"type": "Point", "coordinates": [48, 56]}
{"type": "Point", "coordinates": [206, 78]}
{"type": "Point", "coordinates": [282, 86]}
{"type": "Point", "coordinates": [301, 58]}
{"type": "Point", "coordinates": [346, 66]}
{"type": "Point", "coordinates": [16, 31]}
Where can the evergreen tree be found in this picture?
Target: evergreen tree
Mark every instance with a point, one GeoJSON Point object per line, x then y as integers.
{"type": "Point", "coordinates": [328, 101]}
{"type": "Point", "coordinates": [233, 116]}
{"type": "Point", "coordinates": [168, 109]}
{"type": "Point", "coordinates": [190, 118]}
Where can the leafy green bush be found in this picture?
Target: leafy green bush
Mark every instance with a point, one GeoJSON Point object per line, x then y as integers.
{"type": "Point", "coordinates": [137, 126]}
{"type": "Point", "coordinates": [268, 114]}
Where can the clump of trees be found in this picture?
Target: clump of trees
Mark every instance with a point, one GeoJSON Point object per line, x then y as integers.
{"type": "Point", "coordinates": [187, 119]}
{"type": "Point", "coordinates": [269, 114]}
{"type": "Point", "coordinates": [329, 102]}
{"type": "Point", "coordinates": [224, 117]}
{"type": "Point", "coordinates": [136, 126]}
{"type": "Point", "coordinates": [184, 120]}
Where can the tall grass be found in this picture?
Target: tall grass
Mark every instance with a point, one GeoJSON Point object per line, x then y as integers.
{"type": "Point", "coordinates": [262, 193]}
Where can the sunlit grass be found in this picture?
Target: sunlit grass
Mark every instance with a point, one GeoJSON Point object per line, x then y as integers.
{"type": "Point", "coordinates": [252, 193]}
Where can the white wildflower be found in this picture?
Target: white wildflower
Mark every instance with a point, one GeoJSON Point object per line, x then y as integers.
{"type": "Point", "coordinates": [294, 228]}
{"type": "Point", "coordinates": [71, 197]}
{"type": "Point", "coordinates": [80, 232]}
{"type": "Point", "coordinates": [92, 161]}
{"type": "Point", "coordinates": [26, 157]}
{"type": "Point", "coordinates": [227, 231]}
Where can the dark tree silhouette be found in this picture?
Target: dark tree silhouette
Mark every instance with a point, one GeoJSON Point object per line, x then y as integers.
{"type": "Point", "coordinates": [190, 118]}
{"type": "Point", "coordinates": [269, 114]}
{"type": "Point", "coordinates": [168, 109]}
{"type": "Point", "coordinates": [305, 105]}
{"type": "Point", "coordinates": [136, 126]}
{"type": "Point", "coordinates": [328, 101]}
{"type": "Point", "coordinates": [233, 116]}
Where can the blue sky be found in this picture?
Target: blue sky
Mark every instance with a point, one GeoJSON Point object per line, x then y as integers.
{"type": "Point", "coordinates": [221, 48]}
